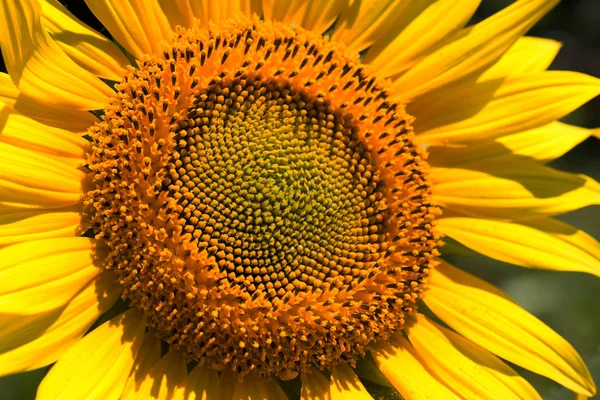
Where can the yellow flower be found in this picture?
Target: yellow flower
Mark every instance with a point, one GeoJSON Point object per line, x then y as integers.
{"type": "Point", "coordinates": [272, 202]}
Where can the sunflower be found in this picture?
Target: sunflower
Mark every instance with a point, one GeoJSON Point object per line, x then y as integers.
{"type": "Point", "coordinates": [267, 187]}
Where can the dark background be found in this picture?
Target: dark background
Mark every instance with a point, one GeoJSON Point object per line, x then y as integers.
{"type": "Point", "coordinates": [568, 302]}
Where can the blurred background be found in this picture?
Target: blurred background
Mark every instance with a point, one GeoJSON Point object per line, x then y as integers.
{"type": "Point", "coordinates": [567, 302]}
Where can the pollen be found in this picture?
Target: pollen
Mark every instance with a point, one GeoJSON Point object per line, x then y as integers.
{"type": "Point", "coordinates": [262, 199]}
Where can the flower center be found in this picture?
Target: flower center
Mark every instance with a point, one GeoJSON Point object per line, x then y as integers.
{"type": "Point", "coordinates": [278, 188]}
{"type": "Point", "coordinates": [262, 199]}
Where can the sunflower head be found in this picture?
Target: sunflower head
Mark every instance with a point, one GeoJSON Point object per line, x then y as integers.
{"type": "Point", "coordinates": [263, 200]}
{"type": "Point", "coordinates": [264, 188]}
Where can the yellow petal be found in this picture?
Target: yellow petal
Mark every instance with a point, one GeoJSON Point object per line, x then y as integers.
{"type": "Point", "coordinates": [164, 378]}
{"type": "Point", "coordinates": [16, 195]}
{"type": "Point", "coordinates": [140, 26]}
{"type": "Point", "coordinates": [26, 225]}
{"type": "Point", "coordinates": [466, 367]}
{"type": "Point", "coordinates": [367, 369]}
{"type": "Point", "coordinates": [346, 385]}
{"type": "Point", "coordinates": [512, 190]}
{"type": "Point", "coordinates": [425, 27]}
{"type": "Point", "coordinates": [488, 317]}
{"type": "Point", "coordinates": [253, 388]}
{"type": "Point", "coordinates": [34, 341]}
{"type": "Point", "coordinates": [314, 386]}
{"type": "Point", "coordinates": [183, 12]}
{"type": "Point", "coordinates": [68, 119]}
{"type": "Point", "coordinates": [21, 131]}
{"type": "Point", "coordinates": [528, 55]}
{"type": "Point", "coordinates": [30, 179]}
{"type": "Point", "coordinates": [540, 243]}
{"type": "Point", "coordinates": [88, 48]}
{"type": "Point", "coordinates": [542, 144]}
{"type": "Point", "coordinates": [172, 370]}
{"type": "Point", "coordinates": [201, 384]}
{"type": "Point", "coordinates": [45, 274]}
{"type": "Point", "coordinates": [37, 65]}
{"type": "Point", "coordinates": [398, 361]}
{"type": "Point", "coordinates": [8, 90]}
{"type": "Point", "coordinates": [97, 366]}
{"type": "Point", "coordinates": [500, 107]}
{"type": "Point", "coordinates": [476, 49]}
{"type": "Point", "coordinates": [25, 167]}
{"type": "Point", "coordinates": [364, 22]}
{"type": "Point", "coordinates": [228, 380]}
{"type": "Point", "coordinates": [313, 15]}
{"type": "Point", "coordinates": [275, 392]}
{"type": "Point", "coordinates": [179, 12]}
{"type": "Point", "coordinates": [147, 356]}
{"type": "Point", "coordinates": [546, 142]}
{"type": "Point", "coordinates": [72, 120]}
